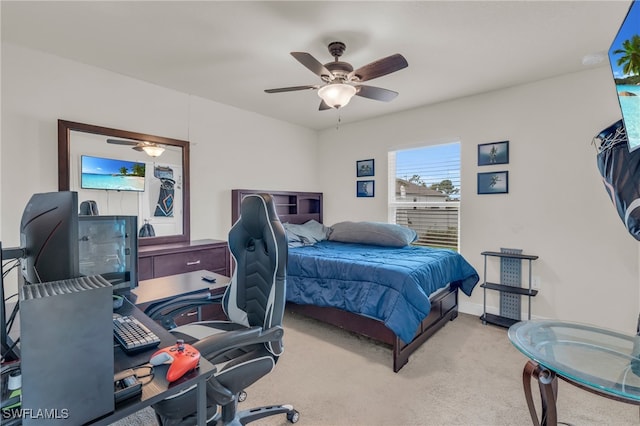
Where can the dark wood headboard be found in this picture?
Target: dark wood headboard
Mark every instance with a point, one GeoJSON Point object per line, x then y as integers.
{"type": "Point", "coordinates": [292, 207]}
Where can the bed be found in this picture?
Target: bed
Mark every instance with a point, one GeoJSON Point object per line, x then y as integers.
{"type": "Point", "coordinates": [399, 295]}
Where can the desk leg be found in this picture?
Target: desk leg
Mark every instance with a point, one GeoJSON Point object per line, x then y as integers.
{"type": "Point", "coordinates": [201, 393]}
{"type": "Point", "coordinates": [548, 384]}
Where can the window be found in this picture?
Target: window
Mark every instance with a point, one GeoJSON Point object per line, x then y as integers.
{"type": "Point", "coordinates": [424, 193]}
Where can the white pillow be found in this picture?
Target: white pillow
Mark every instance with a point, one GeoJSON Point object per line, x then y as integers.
{"type": "Point", "coordinates": [374, 233]}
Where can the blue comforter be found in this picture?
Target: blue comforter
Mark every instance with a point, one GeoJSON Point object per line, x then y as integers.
{"type": "Point", "coordinates": [386, 283]}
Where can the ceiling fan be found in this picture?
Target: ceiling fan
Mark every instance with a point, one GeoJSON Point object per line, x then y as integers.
{"type": "Point", "coordinates": [341, 82]}
{"type": "Point", "coordinates": [152, 149]}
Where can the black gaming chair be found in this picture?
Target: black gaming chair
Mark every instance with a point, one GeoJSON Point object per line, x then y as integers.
{"type": "Point", "coordinates": [246, 347]}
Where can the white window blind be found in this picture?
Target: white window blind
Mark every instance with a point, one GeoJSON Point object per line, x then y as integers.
{"type": "Point", "coordinates": [424, 192]}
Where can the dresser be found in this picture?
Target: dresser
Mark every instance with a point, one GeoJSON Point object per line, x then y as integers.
{"type": "Point", "coordinates": [177, 258]}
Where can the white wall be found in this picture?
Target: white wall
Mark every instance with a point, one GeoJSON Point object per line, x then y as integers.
{"type": "Point", "coordinates": [238, 149]}
{"type": "Point", "coordinates": [231, 148]}
{"type": "Point", "coordinates": [556, 208]}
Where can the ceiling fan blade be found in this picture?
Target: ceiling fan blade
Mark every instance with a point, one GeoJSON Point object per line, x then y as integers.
{"type": "Point", "coordinates": [323, 106]}
{"type": "Point", "coordinates": [380, 67]}
{"type": "Point", "coordinates": [376, 93]}
{"type": "Point", "coordinates": [291, 89]}
{"type": "Point", "coordinates": [122, 142]}
{"type": "Point", "coordinates": [137, 148]}
{"type": "Point", "coordinates": [312, 63]}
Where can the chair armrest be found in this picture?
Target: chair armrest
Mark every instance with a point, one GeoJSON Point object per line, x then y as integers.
{"type": "Point", "coordinates": [166, 312]}
{"type": "Point", "coordinates": [217, 344]}
{"type": "Point", "coordinates": [212, 346]}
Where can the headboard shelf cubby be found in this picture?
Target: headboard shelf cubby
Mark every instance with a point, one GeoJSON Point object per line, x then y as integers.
{"type": "Point", "coordinates": [292, 207]}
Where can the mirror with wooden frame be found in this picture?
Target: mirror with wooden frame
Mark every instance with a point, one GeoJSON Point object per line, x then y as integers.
{"type": "Point", "coordinates": [128, 173]}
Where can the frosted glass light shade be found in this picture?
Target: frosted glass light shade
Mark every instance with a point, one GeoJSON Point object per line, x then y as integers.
{"type": "Point", "coordinates": [336, 95]}
{"type": "Point", "coordinates": [153, 150]}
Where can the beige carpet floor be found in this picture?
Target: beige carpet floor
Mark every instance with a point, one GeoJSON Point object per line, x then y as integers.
{"type": "Point", "coordinates": [466, 374]}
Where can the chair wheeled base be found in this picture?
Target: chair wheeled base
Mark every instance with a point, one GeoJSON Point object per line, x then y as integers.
{"type": "Point", "coordinates": [246, 416]}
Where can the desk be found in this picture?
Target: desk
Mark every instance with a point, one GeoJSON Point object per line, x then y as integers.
{"type": "Point", "coordinates": [158, 290]}
{"type": "Point", "coordinates": [166, 288]}
{"type": "Point", "coordinates": [594, 359]}
{"type": "Point", "coordinates": [158, 388]}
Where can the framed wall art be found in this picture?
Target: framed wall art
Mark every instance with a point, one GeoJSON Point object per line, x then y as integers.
{"type": "Point", "coordinates": [365, 188]}
{"type": "Point", "coordinates": [493, 183]}
{"type": "Point", "coordinates": [493, 153]}
{"type": "Point", "coordinates": [365, 168]}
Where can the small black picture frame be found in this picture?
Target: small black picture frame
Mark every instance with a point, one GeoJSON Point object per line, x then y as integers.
{"type": "Point", "coordinates": [493, 153]}
{"type": "Point", "coordinates": [365, 188]}
{"type": "Point", "coordinates": [493, 182]}
{"type": "Point", "coordinates": [365, 168]}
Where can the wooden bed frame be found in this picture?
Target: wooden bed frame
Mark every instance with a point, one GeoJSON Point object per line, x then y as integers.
{"type": "Point", "coordinates": [300, 207]}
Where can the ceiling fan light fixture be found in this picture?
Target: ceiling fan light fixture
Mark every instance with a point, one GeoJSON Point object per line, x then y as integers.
{"type": "Point", "coordinates": [153, 150]}
{"type": "Point", "coordinates": [336, 95]}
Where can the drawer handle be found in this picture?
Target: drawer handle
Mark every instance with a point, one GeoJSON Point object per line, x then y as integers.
{"type": "Point", "coordinates": [197, 262]}
{"type": "Point", "coordinates": [190, 314]}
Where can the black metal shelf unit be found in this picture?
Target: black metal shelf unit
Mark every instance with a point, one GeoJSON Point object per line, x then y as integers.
{"type": "Point", "coordinates": [509, 287]}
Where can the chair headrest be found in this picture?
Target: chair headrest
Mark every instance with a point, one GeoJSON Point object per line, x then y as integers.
{"type": "Point", "coordinates": [256, 211]}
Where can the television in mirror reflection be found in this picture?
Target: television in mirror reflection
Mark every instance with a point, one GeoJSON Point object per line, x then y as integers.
{"type": "Point", "coordinates": [111, 174]}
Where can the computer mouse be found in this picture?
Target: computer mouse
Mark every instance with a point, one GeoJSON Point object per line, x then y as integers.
{"type": "Point", "coordinates": [117, 301]}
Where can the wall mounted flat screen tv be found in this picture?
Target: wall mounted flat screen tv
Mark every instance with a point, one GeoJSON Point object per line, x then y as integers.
{"type": "Point", "coordinates": [111, 174]}
{"type": "Point", "coordinates": [624, 57]}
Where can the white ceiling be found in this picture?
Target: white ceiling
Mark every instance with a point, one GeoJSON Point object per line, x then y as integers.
{"type": "Point", "coordinates": [231, 51]}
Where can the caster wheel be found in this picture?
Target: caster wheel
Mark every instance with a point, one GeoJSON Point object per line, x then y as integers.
{"type": "Point", "coordinates": [293, 416]}
{"type": "Point", "coordinates": [242, 396]}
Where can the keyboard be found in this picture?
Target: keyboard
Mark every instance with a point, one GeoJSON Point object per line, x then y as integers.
{"type": "Point", "coordinates": [132, 335]}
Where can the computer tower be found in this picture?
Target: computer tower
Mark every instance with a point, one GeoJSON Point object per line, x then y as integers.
{"type": "Point", "coordinates": [66, 335]}
{"type": "Point", "coordinates": [108, 247]}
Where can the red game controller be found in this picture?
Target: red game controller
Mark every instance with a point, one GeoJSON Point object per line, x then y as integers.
{"type": "Point", "coordinates": [182, 357]}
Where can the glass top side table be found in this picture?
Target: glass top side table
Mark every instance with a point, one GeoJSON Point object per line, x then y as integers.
{"type": "Point", "coordinates": [598, 360]}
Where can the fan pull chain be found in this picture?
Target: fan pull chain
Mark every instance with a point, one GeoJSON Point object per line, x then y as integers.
{"type": "Point", "coordinates": [339, 120]}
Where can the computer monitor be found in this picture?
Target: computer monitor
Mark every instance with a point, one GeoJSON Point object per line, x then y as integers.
{"type": "Point", "coordinates": [623, 58]}
{"type": "Point", "coordinates": [48, 249]}
{"type": "Point", "coordinates": [108, 246]}
{"type": "Point", "coordinates": [49, 237]}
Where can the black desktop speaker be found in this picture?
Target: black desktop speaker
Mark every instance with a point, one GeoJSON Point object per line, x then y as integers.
{"type": "Point", "coordinates": [66, 336]}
